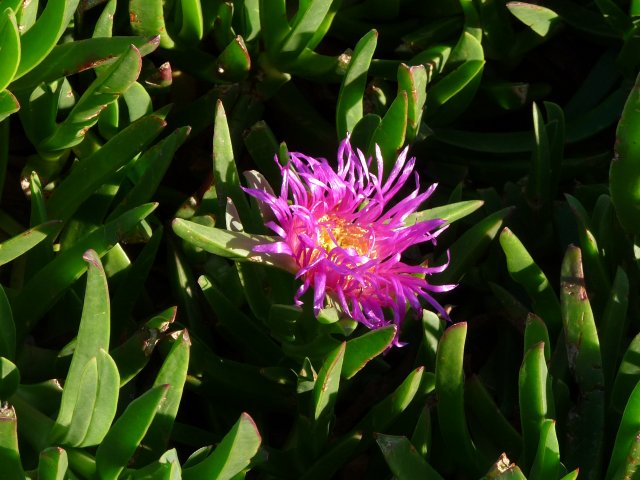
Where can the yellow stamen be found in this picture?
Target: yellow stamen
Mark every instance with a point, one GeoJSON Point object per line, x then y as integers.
{"type": "Point", "coordinates": [336, 232]}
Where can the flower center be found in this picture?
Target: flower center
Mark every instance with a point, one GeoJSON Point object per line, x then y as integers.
{"type": "Point", "coordinates": [336, 232]}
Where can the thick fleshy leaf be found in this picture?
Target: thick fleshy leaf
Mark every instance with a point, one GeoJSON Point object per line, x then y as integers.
{"type": "Point", "coordinates": [7, 327]}
{"type": "Point", "coordinates": [9, 378]}
{"type": "Point", "coordinates": [450, 392]}
{"type": "Point", "coordinates": [40, 39]}
{"type": "Point", "coordinates": [8, 104]}
{"type": "Point", "coordinates": [124, 437]}
{"type": "Point", "coordinates": [309, 18]}
{"type": "Point", "coordinates": [535, 406]}
{"type": "Point", "coordinates": [227, 180]}
{"type": "Point", "coordinates": [234, 62]}
{"type": "Point", "coordinates": [133, 354]}
{"type": "Point", "coordinates": [466, 251]}
{"type": "Point", "coordinates": [546, 463]}
{"type": "Point", "coordinates": [274, 24]}
{"type": "Point", "coordinates": [173, 373]}
{"type": "Point", "coordinates": [9, 454]}
{"type": "Point", "coordinates": [487, 414]}
{"type": "Point", "coordinates": [624, 174]}
{"type": "Point", "coordinates": [538, 18]}
{"type": "Point", "coordinates": [613, 323]}
{"type": "Point", "coordinates": [192, 27]}
{"type": "Point", "coordinates": [536, 332]}
{"type": "Point", "coordinates": [417, 384]}
{"type": "Point", "coordinates": [403, 459]}
{"type": "Point", "coordinates": [449, 213]}
{"type": "Point", "coordinates": [390, 134]}
{"type": "Point", "coordinates": [93, 381]}
{"type": "Point", "coordinates": [524, 270]}
{"type": "Point", "coordinates": [53, 464]}
{"type": "Point", "coordinates": [364, 348]}
{"type": "Point", "coordinates": [10, 41]}
{"type": "Point", "coordinates": [95, 170]}
{"type": "Point", "coordinates": [53, 279]}
{"type": "Point", "coordinates": [231, 456]}
{"type": "Point", "coordinates": [349, 109]}
{"type": "Point", "coordinates": [339, 453]}
{"type": "Point", "coordinates": [105, 89]}
{"type": "Point", "coordinates": [16, 246]}
{"type": "Point", "coordinates": [150, 169]}
{"type": "Point", "coordinates": [80, 55]}
{"type": "Point", "coordinates": [147, 19]}
{"type": "Point", "coordinates": [413, 80]}
{"type": "Point", "coordinates": [626, 436]}
{"type": "Point", "coordinates": [236, 245]}
{"type": "Point", "coordinates": [325, 393]}
{"type": "Point", "coordinates": [586, 424]}
{"type": "Point", "coordinates": [627, 377]}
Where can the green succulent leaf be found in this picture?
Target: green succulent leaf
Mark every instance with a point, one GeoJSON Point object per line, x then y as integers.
{"type": "Point", "coordinates": [147, 19]}
{"type": "Point", "coordinates": [235, 245]}
{"type": "Point", "coordinates": [127, 432]}
{"type": "Point", "coordinates": [449, 213]}
{"type": "Point", "coordinates": [403, 459]}
{"type": "Point", "coordinates": [149, 170]}
{"type": "Point", "coordinates": [7, 327]}
{"type": "Point", "coordinates": [390, 134]}
{"type": "Point", "coordinates": [234, 62]}
{"type": "Point", "coordinates": [309, 18]}
{"type": "Point", "coordinates": [349, 110]}
{"type": "Point", "coordinates": [535, 404]}
{"type": "Point", "coordinates": [8, 104]}
{"type": "Point", "coordinates": [546, 463]}
{"type": "Point", "coordinates": [42, 37]}
{"type": "Point", "coordinates": [450, 391]}
{"type": "Point", "coordinates": [583, 353]}
{"type": "Point", "coordinates": [231, 456]}
{"type": "Point", "coordinates": [53, 464]}
{"type": "Point", "coordinates": [526, 272]}
{"type": "Point", "coordinates": [364, 348]}
{"type": "Point", "coordinates": [329, 463]}
{"type": "Point", "coordinates": [90, 395]}
{"type": "Point", "coordinates": [626, 437]}
{"type": "Point", "coordinates": [19, 245]}
{"type": "Point", "coordinates": [225, 172]}
{"type": "Point", "coordinates": [106, 89]}
{"type": "Point", "coordinates": [54, 278]}
{"type": "Point", "coordinates": [325, 393]}
{"type": "Point", "coordinates": [192, 28]}
{"type": "Point", "coordinates": [9, 454]}
{"type": "Point", "coordinates": [466, 250]}
{"type": "Point", "coordinates": [173, 373]}
{"type": "Point", "coordinates": [538, 18]}
{"type": "Point", "coordinates": [274, 24]}
{"type": "Point", "coordinates": [413, 80]}
{"type": "Point", "coordinates": [9, 378]}
{"type": "Point", "coordinates": [80, 55]}
{"type": "Point", "coordinates": [487, 414]}
{"type": "Point", "coordinates": [97, 169]}
{"type": "Point", "coordinates": [624, 172]}
{"type": "Point", "coordinates": [10, 42]}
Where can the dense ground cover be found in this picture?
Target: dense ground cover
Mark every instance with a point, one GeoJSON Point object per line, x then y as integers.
{"type": "Point", "coordinates": [151, 325]}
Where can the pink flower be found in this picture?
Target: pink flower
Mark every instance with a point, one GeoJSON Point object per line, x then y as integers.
{"type": "Point", "coordinates": [346, 239]}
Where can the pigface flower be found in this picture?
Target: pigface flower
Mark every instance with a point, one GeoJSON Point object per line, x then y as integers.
{"type": "Point", "coordinates": [346, 237]}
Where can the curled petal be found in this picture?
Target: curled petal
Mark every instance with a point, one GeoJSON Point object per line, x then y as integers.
{"type": "Point", "coordinates": [346, 238]}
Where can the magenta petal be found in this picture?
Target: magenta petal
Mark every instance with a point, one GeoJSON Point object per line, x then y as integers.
{"type": "Point", "coordinates": [347, 238]}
